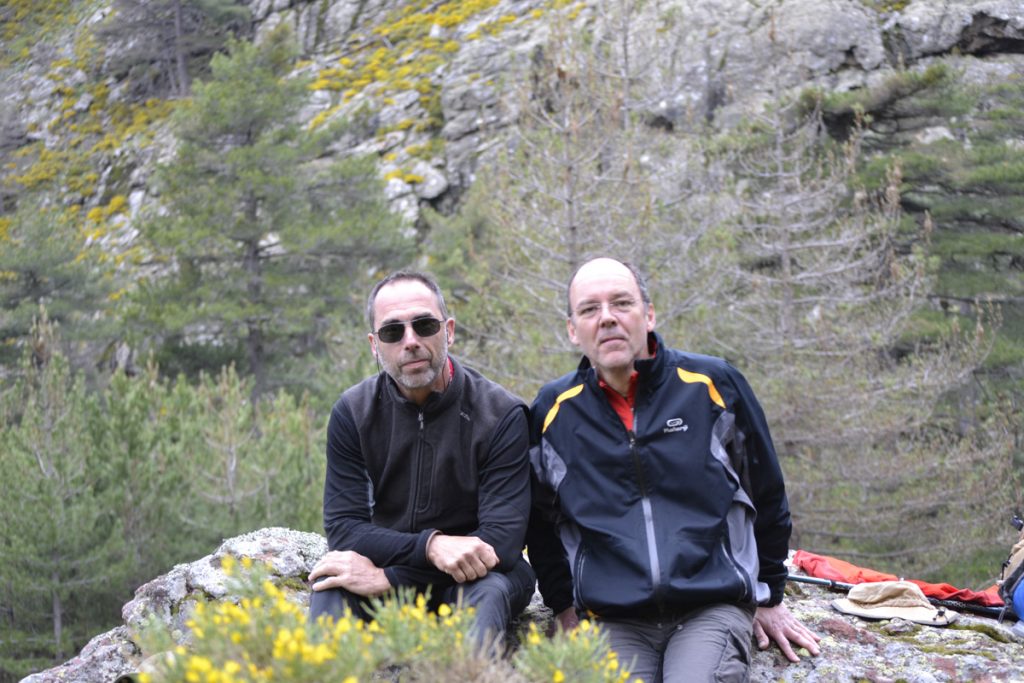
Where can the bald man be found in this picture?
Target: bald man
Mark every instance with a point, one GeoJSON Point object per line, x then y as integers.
{"type": "Point", "coordinates": [656, 471]}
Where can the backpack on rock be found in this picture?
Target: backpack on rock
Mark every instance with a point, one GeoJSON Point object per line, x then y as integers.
{"type": "Point", "coordinates": [1011, 580]}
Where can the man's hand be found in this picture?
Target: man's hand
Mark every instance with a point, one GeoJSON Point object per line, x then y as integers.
{"type": "Point", "coordinates": [465, 558]}
{"type": "Point", "coordinates": [567, 619]}
{"type": "Point", "coordinates": [349, 570]}
{"type": "Point", "coordinates": [780, 625]}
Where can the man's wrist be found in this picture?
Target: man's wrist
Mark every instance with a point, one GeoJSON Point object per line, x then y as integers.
{"type": "Point", "coordinates": [430, 539]}
{"type": "Point", "coordinates": [385, 582]}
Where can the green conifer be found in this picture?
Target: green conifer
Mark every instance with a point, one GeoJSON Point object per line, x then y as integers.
{"type": "Point", "coordinates": [264, 247]}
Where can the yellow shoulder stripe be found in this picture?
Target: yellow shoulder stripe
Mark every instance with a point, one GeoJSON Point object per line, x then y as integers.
{"type": "Point", "coordinates": [564, 396]}
{"type": "Point", "coordinates": [691, 377]}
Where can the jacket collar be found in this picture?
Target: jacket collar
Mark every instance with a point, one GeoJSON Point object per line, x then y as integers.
{"type": "Point", "coordinates": [649, 370]}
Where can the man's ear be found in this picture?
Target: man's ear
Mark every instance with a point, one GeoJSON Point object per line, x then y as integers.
{"type": "Point", "coordinates": [373, 344]}
{"type": "Point", "coordinates": [571, 329]}
{"type": "Point", "coordinates": [651, 320]}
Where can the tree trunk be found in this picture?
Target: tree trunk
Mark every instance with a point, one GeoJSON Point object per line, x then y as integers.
{"type": "Point", "coordinates": [180, 58]}
{"type": "Point", "coordinates": [254, 297]}
{"type": "Point", "coordinates": [58, 613]}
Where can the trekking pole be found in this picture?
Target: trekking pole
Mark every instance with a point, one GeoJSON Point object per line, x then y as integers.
{"type": "Point", "coordinates": [958, 605]}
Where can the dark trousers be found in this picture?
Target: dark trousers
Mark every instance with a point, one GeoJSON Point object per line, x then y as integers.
{"type": "Point", "coordinates": [497, 598]}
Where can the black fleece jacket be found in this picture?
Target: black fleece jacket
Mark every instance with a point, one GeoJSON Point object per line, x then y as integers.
{"type": "Point", "coordinates": [397, 472]}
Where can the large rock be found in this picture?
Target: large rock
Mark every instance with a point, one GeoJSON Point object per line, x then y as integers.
{"type": "Point", "coordinates": [707, 61]}
{"type": "Point", "coordinates": [704, 61]}
{"type": "Point", "coordinates": [979, 27]}
{"type": "Point", "coordinates": [972, 649]}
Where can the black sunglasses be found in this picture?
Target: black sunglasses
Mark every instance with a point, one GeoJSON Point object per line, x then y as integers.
{"type": "Point", "coordinates": [423, 327]}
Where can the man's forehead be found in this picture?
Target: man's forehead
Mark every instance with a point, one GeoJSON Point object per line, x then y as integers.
{"type": "Point", "coordinates": [403, 300]}
{"type": "Point", "coordinates": [595, 293]}
{"type": "Point", "coordinates": [593, 282]}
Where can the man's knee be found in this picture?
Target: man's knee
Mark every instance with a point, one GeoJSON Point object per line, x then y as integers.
{"type": "Point", "coordinates": [711, 644]}
{"type": "Point", "coordinates": [491, 594]}
{"type": "Point", "coordinates": [510, 591]}
{"type": "Point", "coordinates": [334, 602]}
{"type": "Point", "coordinates": [497, 599]}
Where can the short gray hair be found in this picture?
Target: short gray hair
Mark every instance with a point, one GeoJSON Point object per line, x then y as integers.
{"type": "Point", "coordinates": [398, 276]}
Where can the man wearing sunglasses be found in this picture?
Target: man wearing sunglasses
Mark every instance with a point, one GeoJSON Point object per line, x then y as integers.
{"type": "Point", "coordinates": [427, 473]}
{"type": "Point", "coordinates": [658, 470]}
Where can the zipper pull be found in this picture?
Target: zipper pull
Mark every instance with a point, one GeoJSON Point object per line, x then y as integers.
{"type": "Point", "coordinates": [420, 417]}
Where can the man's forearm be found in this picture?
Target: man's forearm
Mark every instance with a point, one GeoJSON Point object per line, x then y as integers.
{"type": "Point", "coordinates": [385, 547]}
{"type": "Point", "coordinates": [504, 499]}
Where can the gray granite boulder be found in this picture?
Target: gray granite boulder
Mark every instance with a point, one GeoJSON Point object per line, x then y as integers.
{"type": "Point", "coordinates": [974, 648]}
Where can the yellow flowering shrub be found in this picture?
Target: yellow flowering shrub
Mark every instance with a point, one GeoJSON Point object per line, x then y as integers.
{"type": "Point", "coordinates": [118, 204]}
{"type": "Point", "coordinates": [411, 55]}
{"type": "Point", "coordinates": [266, 636]}
{"type": "Point", "coordinates": [22, 21]}
{"type": "Point", "coordinates": [580, 656]}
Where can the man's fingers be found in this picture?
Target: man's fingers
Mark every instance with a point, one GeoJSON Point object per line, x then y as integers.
{"type": "Point", "coordinates": [780, 636]}
{"type": "Point", "coordinates": [474, 568]}
{"type": "Point", "coordinates": [787, 650]}
{"type": "Point", "coordinates": [801, 636]}
{"type": "Point", "coordinates": [326, 583]}
{"type": "Point", "coordinates": [469, 569]}
{"type": "Point", "coordinates": [321, 569]}
{"type": "Point", "coordinates": [806, 639]}
{"type": "Point", "coordinates": [762, 638]}
{"type": "Point", "coordinates": [488, 557]}
{"type": "Point", "coordinates": [567, 619]}
{"type": "Point", "coordinates": [328, 565]}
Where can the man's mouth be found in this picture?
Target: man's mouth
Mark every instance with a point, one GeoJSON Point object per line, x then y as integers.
{"type": "Point", "coordinates": [602, 342]}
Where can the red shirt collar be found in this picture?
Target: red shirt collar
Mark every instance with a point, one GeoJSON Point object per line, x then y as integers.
{"type": "Point", "coordinates": [623, 405]}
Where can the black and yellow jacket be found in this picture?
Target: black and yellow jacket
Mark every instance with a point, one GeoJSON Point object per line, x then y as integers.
{"type": "Point", "coordinates": [687, 509]}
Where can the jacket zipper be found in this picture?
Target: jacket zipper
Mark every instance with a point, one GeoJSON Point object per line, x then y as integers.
{"type": "Point", "coordinates": [645, 502]}
{"type": "Point", "coordinates": [418, 474]}
{"type": "Point", "coordinates": [577, 575]}
{"type": "Point", "coordinates": [744, 578]}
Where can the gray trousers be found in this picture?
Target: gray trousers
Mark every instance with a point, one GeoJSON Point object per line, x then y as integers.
{"type": "Point", "coordinates": [497, 598]}
{"type": "Point", "coordinates": [705, 644]}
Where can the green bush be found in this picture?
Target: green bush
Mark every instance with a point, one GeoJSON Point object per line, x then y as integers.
{"type": "Point", "coordinates": [266, 636]}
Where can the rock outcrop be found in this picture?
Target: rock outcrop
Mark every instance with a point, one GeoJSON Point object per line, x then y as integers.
{"type": "Point", "coordinates": [713, 61]}
{"type": "Point", "coordinates": [708, 61]}
{"type": "Point", "coordinates": [972, 649]}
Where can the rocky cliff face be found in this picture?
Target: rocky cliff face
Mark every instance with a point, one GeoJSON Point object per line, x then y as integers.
{"type": "Point", "coordinates": [432, 86]}
{"type": "Point", "coordinates": [715, 61]}
{"type": "Point", "coordinates": [710, 61]}
{"type": "Point", "coordinates": [972, 649]}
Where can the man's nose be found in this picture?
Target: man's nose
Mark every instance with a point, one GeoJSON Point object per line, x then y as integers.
{"type": "Point", "coordinates": [606, 318]}
{"type": "Point", "coordinates": [409, 337]}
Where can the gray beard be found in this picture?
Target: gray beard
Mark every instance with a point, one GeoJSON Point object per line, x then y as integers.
{"type": "Point", "coordinates": [423, 379]}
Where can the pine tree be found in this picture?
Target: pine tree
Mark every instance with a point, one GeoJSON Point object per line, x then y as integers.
{"type": "Point", "coordinates": [132, 423]}
{"type": "Point", "coordinates": [580, 177]}
{"type": "Point", "coordinates": [245, 464]}
{"type": "Point", "coordinates": [159, 44]}
{"type": "Point", "coordinates": [264, 246]}
{"type": "Point", "coordinates": [44, 260]}
{"type": "Point", "coordinates": [62, 551]}
{"type": "Point", "coordinates": [826, 321]}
